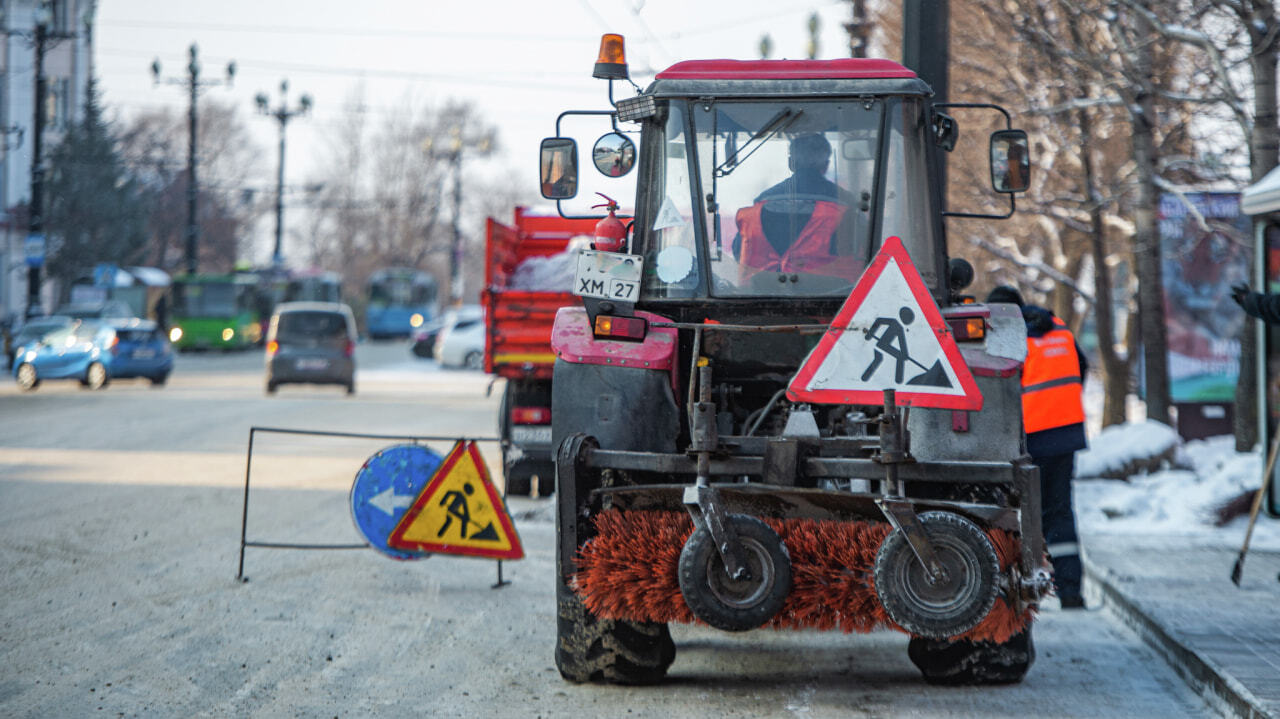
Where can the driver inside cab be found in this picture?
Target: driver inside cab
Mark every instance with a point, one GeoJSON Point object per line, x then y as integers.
{"type": "Point", "coordinates": [793, 225]}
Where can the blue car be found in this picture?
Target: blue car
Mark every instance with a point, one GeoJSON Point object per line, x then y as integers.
{"type": "Point", "coordinates": [96, 352]}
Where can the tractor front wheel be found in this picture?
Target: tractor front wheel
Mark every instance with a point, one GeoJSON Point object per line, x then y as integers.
{"type": "Point", "coordinates": [590, 648]}
{"type": "Point", "coordinates": [965, 662]}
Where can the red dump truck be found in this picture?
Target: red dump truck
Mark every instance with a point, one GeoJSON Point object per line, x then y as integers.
{"type": "Point", "coordinates": [527, 278]}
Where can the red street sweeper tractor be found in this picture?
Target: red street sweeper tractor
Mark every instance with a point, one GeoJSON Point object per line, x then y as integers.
{"type": "Point", "coordinates": [773, 407]}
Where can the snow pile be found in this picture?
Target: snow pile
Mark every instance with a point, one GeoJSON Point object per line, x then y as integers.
{"type": "Point", "coordinates": [553, 273]}
{"type": "Point", "coordinates": [1127, 449]}
{"type": "Point", "coordinates": [1180, 501]}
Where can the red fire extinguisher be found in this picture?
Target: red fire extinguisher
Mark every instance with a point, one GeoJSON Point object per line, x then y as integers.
{"type": "Point", "coordinates": [610, 232]}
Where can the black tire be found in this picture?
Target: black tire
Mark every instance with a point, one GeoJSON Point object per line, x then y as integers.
{"type": "Point", "coordinates": [608, 651]}
{"type": "Point", "coordinates": [95, 376]}
{"type": "Point", "coordinates": [517, 478]}
{"type": "Point", "coordinates": [159, 380]}
{"type": "Point", "coordinates": [27, 377]}
{"type": "Point", "coordinates": [473, 360]}
{"type": "Point", "coordinates": [966, 662]}
{"type": "Point", "coordinates": [952, 606]}
{"type": "Point", "coordinates": [588, 648]}
{"type": "Point", "coordinates": [727, 604]}
{"type": "Point", "coordinates": [520, 477]}
{"type": "Point", "coordinates": [351, 387]}
{"type": "Point", "coordinates": [271, 387]}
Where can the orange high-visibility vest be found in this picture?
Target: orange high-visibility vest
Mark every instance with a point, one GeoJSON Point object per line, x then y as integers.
{"type": "Point", "coordinates": [1051, 382]}
{"type": "Point", "coordinates": [809, 253]}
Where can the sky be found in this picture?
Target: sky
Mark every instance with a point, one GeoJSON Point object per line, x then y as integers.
{"type": "Point", "coordinates": [519, 62]}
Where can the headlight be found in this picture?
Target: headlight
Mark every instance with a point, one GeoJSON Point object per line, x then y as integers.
{"type": "Point", "coordinates": [415, 320]}
{"type": "Point", "coordinates": [227, 334]}
{"type": "Point", "coordinates": [175, 334]}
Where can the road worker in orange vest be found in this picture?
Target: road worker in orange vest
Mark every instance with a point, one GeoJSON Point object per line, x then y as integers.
{"type": "Point", "coordinates": [794, 225]}
{"type": "Point", "coordinates": [1053, 418]}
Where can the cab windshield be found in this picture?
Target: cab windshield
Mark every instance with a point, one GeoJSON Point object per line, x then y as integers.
{"type": "Point", "coordinates": [787, 190]}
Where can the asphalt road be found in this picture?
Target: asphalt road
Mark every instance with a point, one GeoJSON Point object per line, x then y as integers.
{"type": "Point", "coordinates": [120, 517]}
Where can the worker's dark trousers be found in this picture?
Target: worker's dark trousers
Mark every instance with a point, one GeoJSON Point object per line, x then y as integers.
{"type": "Point", "coordinates": [1059, 521]}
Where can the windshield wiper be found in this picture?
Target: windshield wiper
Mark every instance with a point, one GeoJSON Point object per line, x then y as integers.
{"type": "Point", "coordinates": [775, 125]}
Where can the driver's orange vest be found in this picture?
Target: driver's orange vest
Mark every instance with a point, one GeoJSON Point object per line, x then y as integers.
{"type": "Point", "coordinates": [1051, 383]}
{"type": "Point", "coordinates": [811, 252]}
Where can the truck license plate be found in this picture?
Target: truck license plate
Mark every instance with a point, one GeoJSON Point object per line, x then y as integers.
{"type": "Point", "coordinates": [608, 275]}
{"type": "Point", "coordinates": [540, 434]}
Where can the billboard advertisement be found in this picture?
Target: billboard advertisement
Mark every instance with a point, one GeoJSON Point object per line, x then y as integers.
{"type": "Point", "coordinates": [1205, 244]}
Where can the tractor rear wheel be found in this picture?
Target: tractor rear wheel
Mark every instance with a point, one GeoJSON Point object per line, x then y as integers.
{"type": "Point", "coordinates": [966, 662]}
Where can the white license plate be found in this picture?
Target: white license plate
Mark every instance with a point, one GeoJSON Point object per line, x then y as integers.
{"type": "Point", "coordinates": [608, 275]}
{"type": "Point", "coordinates": [540, 434]}
{"type": "Point", "coordinates": [144, 354]}
{"type": "Point", "coordinates": [306, 364]}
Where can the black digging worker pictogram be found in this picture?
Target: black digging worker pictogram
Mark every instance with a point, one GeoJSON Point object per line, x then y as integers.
{"type": "Point", "coordinates": [890, 336]}
{"type": "Point", "coordinates": [455, 504]}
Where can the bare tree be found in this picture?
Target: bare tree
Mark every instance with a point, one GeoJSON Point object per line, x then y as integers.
{"type": "Point", "coordinates": [388, 192]}
{"type": "Point", "coordinates": [154, 145]}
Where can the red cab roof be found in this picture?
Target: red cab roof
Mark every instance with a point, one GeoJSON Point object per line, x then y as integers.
{"type": "Point", "coordinates": [853, 67]}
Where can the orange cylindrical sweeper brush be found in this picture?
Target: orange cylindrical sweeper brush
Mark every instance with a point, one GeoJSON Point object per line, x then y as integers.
{"type": "Point", "coordinates": [629, 571]}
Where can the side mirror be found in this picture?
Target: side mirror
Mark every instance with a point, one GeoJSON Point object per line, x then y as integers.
{"type": "Point", "coordinates": [1010, 161]}
{"type": "Point", "coordinates": [614, 154]}
{"type": "Point", "coordinates": [945, 131]}
{"type": "Point", "coordinates": [559, 168]}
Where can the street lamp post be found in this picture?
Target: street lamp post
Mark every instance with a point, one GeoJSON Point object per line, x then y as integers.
{"type": "Point", "coordinates": [193, 83]}
{"type": "Point", "coordinates": [35, 245]}
{"type": "Point", "coordinates": [282, 113]}
{"type": "Point", "coordinates": [458, 143]}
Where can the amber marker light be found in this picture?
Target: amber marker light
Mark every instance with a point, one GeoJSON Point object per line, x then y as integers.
{"type": "Point", "coordinates": [967, 329]}
{"type": "Point", "coordinates": [611, 63]}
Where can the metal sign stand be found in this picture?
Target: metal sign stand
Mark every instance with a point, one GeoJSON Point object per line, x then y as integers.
{"type": "Point", "coordinates": [244, 514]}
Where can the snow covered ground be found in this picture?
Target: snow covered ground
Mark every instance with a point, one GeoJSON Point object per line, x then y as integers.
{"type": "Point", "coordinates": [1177, 500]}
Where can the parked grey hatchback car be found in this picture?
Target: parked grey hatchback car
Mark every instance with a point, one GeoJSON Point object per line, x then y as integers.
{"type": "Point", "coordinates": [311, 342]}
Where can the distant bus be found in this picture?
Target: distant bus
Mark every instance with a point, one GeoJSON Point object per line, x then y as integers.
{"type": "Point", "coordinates": [313, 286]}
{"type": "Point", "coordinates": [211, 311]}
{"type": "Point", "coordinates": [399, 300]}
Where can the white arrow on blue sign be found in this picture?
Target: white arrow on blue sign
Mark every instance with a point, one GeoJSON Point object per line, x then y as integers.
{"type": "Point", "coordinates": [385, 488]}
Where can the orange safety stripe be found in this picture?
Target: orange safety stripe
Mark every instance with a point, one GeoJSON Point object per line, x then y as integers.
{"type": "Point", "coordinates": [1051, 383]}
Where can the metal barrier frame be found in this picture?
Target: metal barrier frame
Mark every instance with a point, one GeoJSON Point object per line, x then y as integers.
{"type": "Point", "coordinates": [248, 469]}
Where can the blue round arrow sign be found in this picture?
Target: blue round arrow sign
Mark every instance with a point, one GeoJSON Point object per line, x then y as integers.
{"type": "Point", "coordinates": [385, 488]}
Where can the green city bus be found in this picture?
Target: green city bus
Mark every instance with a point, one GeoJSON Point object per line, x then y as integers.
{"type": "Point", "coordinates": [216, 311]}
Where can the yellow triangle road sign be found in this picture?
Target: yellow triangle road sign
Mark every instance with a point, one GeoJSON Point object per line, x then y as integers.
{"type": "Point", "coordinates": [459, 512]}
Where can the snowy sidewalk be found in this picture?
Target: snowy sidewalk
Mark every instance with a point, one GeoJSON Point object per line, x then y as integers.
{"type": "Point", "coordinates": [1222, 639]}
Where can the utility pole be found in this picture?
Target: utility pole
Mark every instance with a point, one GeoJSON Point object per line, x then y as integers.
{"type": "Point", "coordinates": [35, 248]}
{"type": "Point", "coordinates": [193, 83]}
{"type": "Point", "coordinates": [282, 113]}
{"type": "Point", "coordinates": [859, 29]}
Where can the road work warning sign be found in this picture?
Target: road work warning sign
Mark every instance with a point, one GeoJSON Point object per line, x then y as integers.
{"type": "Point", "coordinates": [459, 512]}
{"type": "Point", "coordinates": [889, 334]}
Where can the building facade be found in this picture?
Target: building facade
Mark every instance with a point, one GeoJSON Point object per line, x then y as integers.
{"type": "Point", "coordinates": [68, 49]}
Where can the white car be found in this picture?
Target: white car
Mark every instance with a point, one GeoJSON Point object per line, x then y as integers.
{"type": "Point", "coordinates": [461, 343]}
